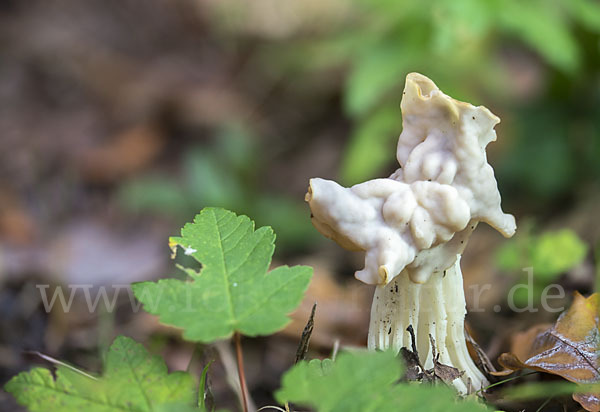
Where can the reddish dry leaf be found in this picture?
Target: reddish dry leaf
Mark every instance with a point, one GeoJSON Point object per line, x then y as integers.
{"type": "Point", "coordinates": [590, 401]}
{"type": "Point", "coordinates": [127, 153]}
{"type": "Point", "coordinates": [570, 349]}
{"type": "Point", "coordinates": [519, 349]}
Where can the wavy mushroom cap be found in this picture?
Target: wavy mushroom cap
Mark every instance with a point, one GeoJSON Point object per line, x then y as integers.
{"type": "Point", "coordinates": [420, 217]}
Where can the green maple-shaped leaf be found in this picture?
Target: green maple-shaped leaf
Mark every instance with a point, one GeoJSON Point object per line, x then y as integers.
{"type": "Point", "coordinates": [365, 382]}
{"type": "Point", "coordinates": [133, 380]}
{"type": "Point", "coordinates": [233, 292]}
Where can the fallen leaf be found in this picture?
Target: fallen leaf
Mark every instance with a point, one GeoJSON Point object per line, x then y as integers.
{"type": "Point", "coordinates": [411, 362]}
{"type": "Point", "coordinates": [414, 369]}
{"type": "Point", "coordinates": [569, 349]}
{"type": "Point", "coordinates": [590, 401]}
{"type": "Point", "coordinates": [522, 342]}
{"type": "Point", "coordinates": [416, 372]}
{"type": "Point", "coordinates": [306, 334]}
{"type": "Point", "coordinates": [445, 373]}
{"type": "Point", "coordinates": [127, 153]}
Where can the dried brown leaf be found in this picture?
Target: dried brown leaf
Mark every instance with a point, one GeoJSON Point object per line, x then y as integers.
{"type": "Point", "coordinates": [306, 334]}
{"type": "Point", "coordinates": [569, 349]}
{"type": "Point", "coordinates": [413, 367]}
{"type": "Point", "coordinates": [590, 401]}
{"type": "Point", "coordinates": [445, 373]}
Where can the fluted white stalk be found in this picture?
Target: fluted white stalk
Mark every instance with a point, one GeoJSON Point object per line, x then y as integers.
{"type": "Point", "coordinates": [435, 308]}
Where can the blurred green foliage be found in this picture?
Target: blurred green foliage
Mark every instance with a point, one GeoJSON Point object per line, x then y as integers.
{"type": "Point", "coordinates": [597, 261]}
{"type": "Point", "coordinates": [533, 62]}
{"type": "Point", "coordinates": [224, 174]}
{"type": "Point", "coordinates": [549, 254]}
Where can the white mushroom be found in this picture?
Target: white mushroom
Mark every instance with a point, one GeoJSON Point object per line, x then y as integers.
{"type": "Point", "coordinates": [414, 225]}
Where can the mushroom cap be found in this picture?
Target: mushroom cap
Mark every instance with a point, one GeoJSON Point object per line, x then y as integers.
{"type": "Point", "coordinates": [419, 218]}
{"type": "Point", "coordinates": [444, 139]}
{"type": "Point", "coordinates": [326, 225]}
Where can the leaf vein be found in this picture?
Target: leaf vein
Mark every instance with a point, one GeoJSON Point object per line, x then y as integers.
{"type": "Point", "coordinates": [225, 273]}
{"type": "Point", "coordinates": [249, 252]}
{"type": "Point", "coordinates": [137, 380]}
{"type": "Point", "coordinates": [258, 306]}
{"type": "Point", "coordinates": [240, 222]}
{"type": "Point", "coordinates": [226, 251]}
{"type": "Point", "coordinates": [75, 395]}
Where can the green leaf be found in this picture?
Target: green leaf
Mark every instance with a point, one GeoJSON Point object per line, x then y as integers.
{"type": "Point", "coordinates": [157, 194]}
{"type": "Point", "coordinates": [537, 390]}
{"type": "Point", "coordinates": [203, 388]}
{"type": "Point", "coordinates": [371, 145]}
{"type": "Point", "coordinates": [459, 24]}
{"type": "Point", "coordinates": [555, 252]}
{"type": "Point", "coordinates": [526, 294]}
{"type": "Point", "coordinates": [373, 75]}
{"type": "Point", "coordinates": [233, 292]}
{"type": "Point", "coordinates": [549, 254]}
{"type": "Point", "coordinates": [543, 27]}
{"type": "Point", "coordinates": [210, 180]}
{"type": "Point", "coordinates": [363, 382]}
{"type": "Point", "coordinates": [133, 380]}
{"type": "Point", "coordinates": [509, 256]}
{"type": "Point", "coordinates": [586, 12]}
{"type": "Point", "coordinates": [288, 218]}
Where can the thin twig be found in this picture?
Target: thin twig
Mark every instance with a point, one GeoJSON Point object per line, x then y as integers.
{"type": "Point", "coordinates": [544, 404]}
{"type": "Point", "coordinates": [60, 363]}
{"type": "Point", "coordinates": [413, 344]}
{"type": "Point", "coordinates": [336, 348]}
{"type": "Point", "coordinates": [226, 352]}
{"type": "Point", "coordinates": [504, 381]}
{"type": "Point", "coordinates": [240, 364]}
{"type": "Point", "coordinates": [264, 408]}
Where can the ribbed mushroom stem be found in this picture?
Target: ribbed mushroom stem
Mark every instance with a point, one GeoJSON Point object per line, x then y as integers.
{"type": "Point", "coordinates": [435, 308]}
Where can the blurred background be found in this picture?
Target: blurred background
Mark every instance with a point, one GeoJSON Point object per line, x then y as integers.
{"type": "Point", "coordinates": [121, 119]}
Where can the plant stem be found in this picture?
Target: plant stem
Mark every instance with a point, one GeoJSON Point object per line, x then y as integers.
{"type": "Point", "coordinates": [240, 364]}
{"type": "Point", "coordinates": [544, 404]}
{"type": "Point", "coordinates": [504, 381]}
